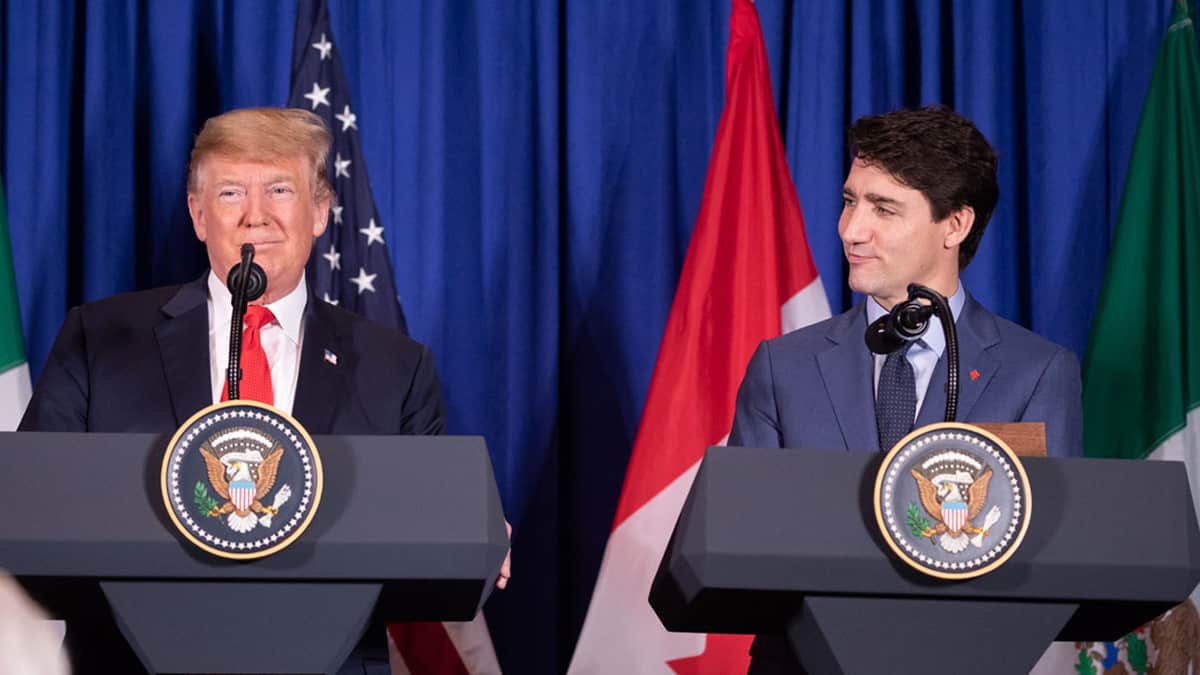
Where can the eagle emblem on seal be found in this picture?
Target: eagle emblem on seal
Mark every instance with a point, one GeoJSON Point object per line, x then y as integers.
{"type": "Point", "coordinates": [241, 466]}
{"type": "Point", "coordinates": [953, 488]}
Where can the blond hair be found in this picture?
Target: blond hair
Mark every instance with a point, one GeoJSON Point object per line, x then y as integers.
{"type": "Point", "coordinates": [265, 134]}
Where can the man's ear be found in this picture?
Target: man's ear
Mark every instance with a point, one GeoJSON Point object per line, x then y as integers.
{"type": "Point", "coordinates": [958, 226]}
{"type": "Point", "coordinates": [197, 214]}
{"type": "Point", "coordinates": [322, 217]}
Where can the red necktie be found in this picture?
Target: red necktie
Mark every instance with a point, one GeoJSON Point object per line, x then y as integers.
{"type": "Point", "coordinates": [256, 372]}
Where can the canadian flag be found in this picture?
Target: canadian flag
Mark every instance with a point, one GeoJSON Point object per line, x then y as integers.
{"type": "Point", "coordinates": [748, 276]}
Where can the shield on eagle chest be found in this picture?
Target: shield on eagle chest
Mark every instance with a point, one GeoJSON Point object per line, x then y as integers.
{"type": "Point", "coordinates": [241, 493]}
{"type": "Point", "coordinates": [954, 514]}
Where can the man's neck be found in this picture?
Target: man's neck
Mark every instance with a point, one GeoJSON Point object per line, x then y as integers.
{"type": "Point", "coordinates": [945, 289]}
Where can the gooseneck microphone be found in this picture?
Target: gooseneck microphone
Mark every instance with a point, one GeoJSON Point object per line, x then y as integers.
{"type": "Point", "coordinates": [907, 322]}
{"type": "Point", "coordinates": [244, 288]}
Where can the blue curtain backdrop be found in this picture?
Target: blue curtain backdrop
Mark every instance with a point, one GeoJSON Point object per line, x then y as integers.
{"type": "Point", "coordinates": [538, 167]}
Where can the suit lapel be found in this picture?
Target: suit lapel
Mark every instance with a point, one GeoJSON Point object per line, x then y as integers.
{"type": "Point", "coordinates": [848, 372]}
{"type": "Point", "coordinates": [319, 386]}
{"type": "Point", "coordinates": [976, 334]}
{"type": "Point", "coordinates": [182, 336]}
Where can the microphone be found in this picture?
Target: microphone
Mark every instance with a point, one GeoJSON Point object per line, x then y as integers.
{"type": "Point", "coordinates": [908, 321]}
{"type": "Point", "coordinates": [255, 283]}
{"type": "Point", "coordinates": [244, 287]}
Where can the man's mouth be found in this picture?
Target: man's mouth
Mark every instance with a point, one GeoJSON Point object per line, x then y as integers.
{"type": "Point", "coordinates": [263, 244]}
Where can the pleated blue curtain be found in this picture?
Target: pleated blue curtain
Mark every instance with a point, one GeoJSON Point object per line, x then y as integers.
{"type": "Point", "coordinates": [538, 166]}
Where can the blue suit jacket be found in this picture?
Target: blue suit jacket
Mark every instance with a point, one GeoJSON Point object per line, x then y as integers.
{"type": "Point", "coordinates": [814, 387]}
{"type": "Point", "coordinates": [138, 362]}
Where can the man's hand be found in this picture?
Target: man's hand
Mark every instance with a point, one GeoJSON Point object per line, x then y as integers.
{"type": "Point", "coordinates": [505, 571]}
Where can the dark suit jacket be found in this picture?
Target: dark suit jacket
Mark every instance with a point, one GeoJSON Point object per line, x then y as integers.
{"type": "Point", "coordinates": [139, 362]}
{"type": "Point", "coordinates": [814, 388]}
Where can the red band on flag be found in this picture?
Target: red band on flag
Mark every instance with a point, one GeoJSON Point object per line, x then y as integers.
{"type": "Point", "coordinates": [748, 255]}
{"type": "Point", "coordinates": [747, 264]}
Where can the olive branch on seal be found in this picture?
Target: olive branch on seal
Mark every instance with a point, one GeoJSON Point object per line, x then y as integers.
{"type": "Point", "coordinates": [920, 525]}
{"type": "Point", "coordinates": [203, 500]}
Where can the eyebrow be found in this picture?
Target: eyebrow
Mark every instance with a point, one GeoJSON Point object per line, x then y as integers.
{"type": "Point", "coordinates": [271, 180]}
{"type": "Point", "coordinates": [874, 198]}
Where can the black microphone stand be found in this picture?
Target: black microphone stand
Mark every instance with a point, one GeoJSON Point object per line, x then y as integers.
{"type": "Point", "coordinates": [907, 322]}
{"type": "Point", "coordinates": [244, 288]}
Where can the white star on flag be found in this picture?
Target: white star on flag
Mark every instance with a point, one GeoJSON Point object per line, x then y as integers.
{"type": "Point", "coordinates": [374, 233]}
{"type": "Point", "coordinates": [334, 258]}
{"type": "Point", "coordinates": [337, 214]}
{"type": "Point", "coordinates": [347, 119]}
{"type": "Point", "coordinates": [324, 46]}
{"type": "Point", "coordinates": [364, 281]}
{"type": "Point", "coordinates": [326, 298]}
{"type": "Point", "coordinates": [318, 96]}
{"type": "Point", "coordinates": [340, 165]}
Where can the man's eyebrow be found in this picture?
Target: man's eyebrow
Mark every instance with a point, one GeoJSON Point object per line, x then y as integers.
{"type": "Point", "coordinates": [876, 198]}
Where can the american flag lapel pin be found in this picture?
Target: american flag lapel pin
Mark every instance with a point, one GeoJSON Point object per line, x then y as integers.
{"type": "Point", "coordinates": [330, 358]}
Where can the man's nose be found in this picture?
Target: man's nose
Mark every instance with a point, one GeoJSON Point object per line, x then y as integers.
{"type": "Point", "coordinates": [854, 226]}
{"type": "Point", "coordinates": [256, 209]}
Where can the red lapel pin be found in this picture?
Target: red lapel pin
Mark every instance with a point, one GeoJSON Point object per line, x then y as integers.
{"type": "Point", "coordinates": [974, 374]}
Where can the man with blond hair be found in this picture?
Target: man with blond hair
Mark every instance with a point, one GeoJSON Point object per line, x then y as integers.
{"type": "Point", "coordinates": [147, 361]}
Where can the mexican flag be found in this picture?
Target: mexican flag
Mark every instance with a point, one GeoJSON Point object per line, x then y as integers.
{"type": "Point", "coordinates": [1141, 374]}
{"type": "Point", "coordinates": [14, 372]}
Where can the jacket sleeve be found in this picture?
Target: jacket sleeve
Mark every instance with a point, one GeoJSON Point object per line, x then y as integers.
{"type": "Point", "coordinates": [756, 416]}
{"type": "Point", "coordinates": [1058, 401]}
{"type": "Point", "coordinates": [423, 411]}
{"type": "Point", "coordinates": [60, 400]}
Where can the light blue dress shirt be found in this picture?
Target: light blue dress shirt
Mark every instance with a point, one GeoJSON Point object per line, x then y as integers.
{"type": "Point", "coordinates": [924, 354]}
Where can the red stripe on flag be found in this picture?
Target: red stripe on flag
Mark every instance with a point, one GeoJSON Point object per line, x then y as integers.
{"type": "Point", "coordinates": [748, 255]}
{"type": "Point", "coordinates": [426, 648]}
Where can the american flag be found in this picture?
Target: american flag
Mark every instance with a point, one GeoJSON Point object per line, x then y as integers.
{"type": "Point", "coordinates": [350, 266]}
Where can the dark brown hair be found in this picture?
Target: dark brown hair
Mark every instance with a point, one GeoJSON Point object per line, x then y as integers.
{"type": "Point", "coordinates": [939, 153]}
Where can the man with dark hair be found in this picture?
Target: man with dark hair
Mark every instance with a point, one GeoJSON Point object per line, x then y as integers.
{"type": "Point", "coordinates": [918, 196]}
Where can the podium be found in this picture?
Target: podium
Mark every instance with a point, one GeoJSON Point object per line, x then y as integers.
{"type": "Point", "coordinates": [784, 542]}
{"type": "Point", "coordinates": [409, 528]}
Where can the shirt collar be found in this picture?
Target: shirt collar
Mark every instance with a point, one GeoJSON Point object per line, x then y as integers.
{"type": "Point", "coordinates": [288, 310]}
{"type": "Point", "coordinates": [934, 338]}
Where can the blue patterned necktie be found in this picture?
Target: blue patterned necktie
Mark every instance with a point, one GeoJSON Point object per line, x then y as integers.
{"type": "Point", "coordinates": [896, 400]}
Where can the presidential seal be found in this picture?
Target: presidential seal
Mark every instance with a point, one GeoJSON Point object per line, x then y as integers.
{"type": "Point", "coordinates": [952, 501]}
{"type": "Point", "coordinates": [241, 479]}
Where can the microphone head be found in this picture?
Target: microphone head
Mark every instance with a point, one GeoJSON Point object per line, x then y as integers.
{"type": "Point", "coordinates": [881, 338]}
{"type": "Point", "coordinates": [256, 284]}
{"type": "Point", "coordinates": [911, 319]}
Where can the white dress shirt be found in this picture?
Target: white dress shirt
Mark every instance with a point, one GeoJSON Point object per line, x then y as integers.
{"type": "Point", "coordinates": [924, 353]}
{"type": "Point", "coordinates": [281, 339]}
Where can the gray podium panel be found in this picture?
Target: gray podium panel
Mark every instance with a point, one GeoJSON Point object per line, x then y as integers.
{"type": "Point", "coordinates": [415, 519]}
{"type": "Point", "coordinates": [768, 537]}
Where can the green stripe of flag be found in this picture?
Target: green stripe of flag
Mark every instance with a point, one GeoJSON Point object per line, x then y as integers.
{"type": "Point", "coordinates": [12, 349]}
{"type": "Point", "coordinates": [1141, 375]}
